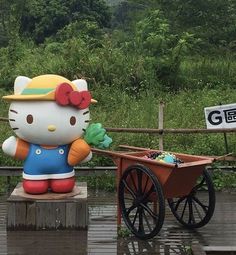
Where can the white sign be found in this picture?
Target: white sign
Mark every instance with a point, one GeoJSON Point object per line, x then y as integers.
{"type": "Point", "coordinates": [222, 116]}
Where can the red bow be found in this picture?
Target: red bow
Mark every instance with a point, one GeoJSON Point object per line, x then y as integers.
{"type": "Point", "coordinates": [65, 95]}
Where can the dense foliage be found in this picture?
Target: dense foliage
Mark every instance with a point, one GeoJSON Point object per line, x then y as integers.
{"type": "Point", "coordinates": [133, 53]}
{"type": "Point", "coordinates": [134, 45]}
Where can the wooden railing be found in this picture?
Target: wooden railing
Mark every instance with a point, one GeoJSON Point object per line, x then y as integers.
{"type": "Point", "coordinates": [170, 130]}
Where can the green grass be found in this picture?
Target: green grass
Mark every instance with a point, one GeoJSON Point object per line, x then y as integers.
{"type": "Point", "coordinates": [123, 232]}
{"type": "Point", "coordinates": [104, 182]}
{"type": "Point", "coordinates": [224, 180]}
{"type": "Point", "coordinates": [205, 72]}
{"type": "Point", "coordinates": [182, 110]}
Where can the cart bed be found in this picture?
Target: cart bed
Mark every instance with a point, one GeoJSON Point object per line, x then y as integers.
{"type": "Point", "coordinates": [177, 180]}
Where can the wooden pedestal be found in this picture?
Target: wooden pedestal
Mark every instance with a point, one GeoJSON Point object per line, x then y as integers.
{"type": "Point", "coordinates": [49, 211]}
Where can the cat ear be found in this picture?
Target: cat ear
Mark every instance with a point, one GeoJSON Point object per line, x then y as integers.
{"type": "Point", "coordinates": [20, 83]}
{"type": "Point", "coordinates": [81, 84]}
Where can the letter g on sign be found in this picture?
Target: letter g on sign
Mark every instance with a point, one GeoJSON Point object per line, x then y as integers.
{"type": "Point", "coordinates": [215, 118]}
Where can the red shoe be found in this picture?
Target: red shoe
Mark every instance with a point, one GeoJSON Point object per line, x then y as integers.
{"type": "Point", "coordinates": [62, 185]}
{"type": "Point", "coordinates": [35, 187]}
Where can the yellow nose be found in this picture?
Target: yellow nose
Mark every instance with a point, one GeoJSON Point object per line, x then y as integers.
{"type": "Point", "coordinates": [51, 128]}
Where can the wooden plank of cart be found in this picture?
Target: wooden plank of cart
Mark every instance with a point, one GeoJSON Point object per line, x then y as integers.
{"type": "Point", "coordinates": [144, 184]}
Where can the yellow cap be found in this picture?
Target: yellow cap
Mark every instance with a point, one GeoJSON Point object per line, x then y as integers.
{"type": "Point", "coordinates": [42, 88]}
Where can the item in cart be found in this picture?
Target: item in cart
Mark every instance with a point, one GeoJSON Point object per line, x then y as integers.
{"type": "Point", "coordinates": [164, 157]}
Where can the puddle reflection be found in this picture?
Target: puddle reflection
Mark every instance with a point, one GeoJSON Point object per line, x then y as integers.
{"type": "Point", "coordinates": [173, 240]}
{"type": "Point", "coordinates": [134, 246]}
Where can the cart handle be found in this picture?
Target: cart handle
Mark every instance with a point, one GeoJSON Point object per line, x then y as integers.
{"type": "Point", "coordinates": [106, 152]}
{"type": "Point", "coordinates": [223, 156]}
{"type": "Point", "coordinates": [146, 149]}
{"type": "Point", "coordinates": [123, 146]}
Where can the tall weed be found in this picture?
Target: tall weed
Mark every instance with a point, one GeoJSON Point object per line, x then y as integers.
{"type": "Point", "coordinates": [201, 72]}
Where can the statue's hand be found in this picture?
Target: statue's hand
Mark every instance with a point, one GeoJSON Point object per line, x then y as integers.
{"type": "Point", "coordinates": [9, 146]}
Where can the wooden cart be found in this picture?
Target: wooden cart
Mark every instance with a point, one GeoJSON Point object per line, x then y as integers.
{"type": "Point", "coordinates": [144, 184]}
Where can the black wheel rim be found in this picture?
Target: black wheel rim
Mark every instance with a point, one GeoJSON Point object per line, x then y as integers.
{"type": "Point", "coordinates": [196, 209]}
{"type": "Point", "coordinates": [141, 201]}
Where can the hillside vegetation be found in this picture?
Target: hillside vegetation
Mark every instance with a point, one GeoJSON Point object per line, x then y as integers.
{"type": "Point", "coordinates": [133, 54]}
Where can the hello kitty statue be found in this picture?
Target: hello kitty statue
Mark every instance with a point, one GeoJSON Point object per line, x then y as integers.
{"type": "Point", "coordinates": [49, 114]}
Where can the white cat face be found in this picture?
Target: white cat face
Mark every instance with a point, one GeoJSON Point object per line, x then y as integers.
{"type": "Point", "coordinates": [46, 122]}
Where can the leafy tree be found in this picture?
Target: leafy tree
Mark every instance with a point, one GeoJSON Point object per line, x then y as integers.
{"type": "Point", "coordinates": [85, 29]}
{"type": "Point", "coordinates": [42, 19]}
{"type": "Point", "coordinates": [94, 10]}
{"type": "Point", "coordinates": [162, 49]}
{"type": "Point", "coordinates": [127, 13]}
{"type": "Point", "coordinates": [211, 20]}
{"type": "Point", "coordinates": [10, 14]}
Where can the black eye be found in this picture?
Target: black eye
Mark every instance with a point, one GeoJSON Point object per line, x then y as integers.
{"type": "Point", "coordinates": [72, 120]}
{"type": "Point", "coordinates": [29, 118]}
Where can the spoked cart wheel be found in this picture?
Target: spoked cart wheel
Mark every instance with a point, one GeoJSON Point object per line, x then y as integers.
{"type": "Point", "coordinates": [196, 209]}
{"type": "Point", "coordinates": [141, 201]}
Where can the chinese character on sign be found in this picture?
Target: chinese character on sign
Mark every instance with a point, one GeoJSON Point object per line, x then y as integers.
{"type": "Point", "coordinates": [230, 115]}
{"type": "Point", "coordinates": [222, 116]}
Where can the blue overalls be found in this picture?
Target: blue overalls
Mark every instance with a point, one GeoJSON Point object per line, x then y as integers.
{"type": "Point", "coordinates": [43, 164]}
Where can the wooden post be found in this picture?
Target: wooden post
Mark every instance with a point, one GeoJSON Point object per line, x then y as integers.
{"type": "Point", "coordinates": [226, 143]}
{"type": "Point", "coordinates": [161, 125]}
{"type": "Point", "coordinates": [225, 140]}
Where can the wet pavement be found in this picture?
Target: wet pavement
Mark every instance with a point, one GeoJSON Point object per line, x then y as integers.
{"type": "Point", "coordinates": [101, 237]}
